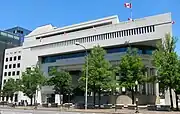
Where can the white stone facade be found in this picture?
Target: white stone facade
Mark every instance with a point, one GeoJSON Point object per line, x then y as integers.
{"type": "Point", "coordinates": [47, 41]}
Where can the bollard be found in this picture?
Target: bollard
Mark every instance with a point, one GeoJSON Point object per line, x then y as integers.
{"type": "Point", "coordinates": [137, 110]}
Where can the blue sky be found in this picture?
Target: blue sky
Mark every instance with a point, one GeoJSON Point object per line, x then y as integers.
{"type": "Point", "coordinates": [33, 13]}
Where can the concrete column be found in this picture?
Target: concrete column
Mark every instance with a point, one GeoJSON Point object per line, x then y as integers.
{"type": "Point", "coordinates": [39, 97]}
{"type": "Point", "coordinates": [13, 99]}
{"type": "Point", "coordinates": [146, 85]}
{"type": "Point", "coordinates": [167, 98]}
{"type": "Point", "coordinates": [149, 85]}
{"type": "Point", "coordinates": [57, 99]}
{"type": "Point", "coordinates": [20, 96]}
{"type": "Point", "coordinates": [156, 86]}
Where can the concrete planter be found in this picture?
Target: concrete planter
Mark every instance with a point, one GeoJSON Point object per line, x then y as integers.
{"type": "Point", "coordinates": [163, 107]}
{"type": "Point", "coordinates": [131, 107]}
{"type": "Point", "coordinates": [68, 105]}
{"type": "Point", "coordinates": [119, 106]}
{"type": "Point", "coordinates": [107, 106]}
{"type": "Point", "coordinates": [45, 105]}
{"type": "Point", "coordinates": [151, 107]}
{"type": "Point", "coordinates": [54, 105]}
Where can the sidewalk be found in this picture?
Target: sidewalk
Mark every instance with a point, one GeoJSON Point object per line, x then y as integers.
{"type": "Point", "coordinates": [101, 111]}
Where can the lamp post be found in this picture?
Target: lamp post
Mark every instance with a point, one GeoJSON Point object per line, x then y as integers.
{"type": "Point", "coordinates": [137, 110]}
{"type": "Point", "coordinates": [86, 100]}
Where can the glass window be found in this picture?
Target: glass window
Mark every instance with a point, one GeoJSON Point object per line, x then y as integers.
{"type": "Point", "coordinates": [14, 58]}
{"type": "Point", "coordinates": [18, 65]}
{"type": "Point", "coordinates": [6, 59]}
{"type": "Point", "coordinates": [5, 73]}
{"type": "Point", "coordinates": [9, 73]}
{"type": "Point", "coordinates": [4, 81]}
{"type": "Point", "coordinates": [153, 28]}
{"type": "Point", "coordinates": [6, 66]}
{"type": "Point", "coordinates": [140, 51]}
{"type": "Point", "coordinates": [18, 72]}
{"type": "Point", "coordinates": [13, 73]}
{"type": "Point", "coordinates": [145, 29]}
{"type": "Point", "coordinates": [134, 31]}
{"type": "Point", "coordinates": [142, 29]}
{"type": "Point", "coordinates": [10, 66]}
{"type": "Point", "coordinates": [10, 59]}
{"type": "Point", "coordinates": [139, 30]}
{"type": "Point", "coordinates": [150, 29]}
{"type": "Point", "coordinates": [14, 65]}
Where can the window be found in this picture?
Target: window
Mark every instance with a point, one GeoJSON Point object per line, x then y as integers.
{"type": "Point", "coordinates": [14, 65]}
{"type": "Point", "coordinates": [10, 59]}
{"type": "Point", "coordinates": [28, 68]}
{"type": "Point", "coordinates": [142, 30]}
{"type": "Point", "coordinates": [6, 66]}
{"type": "Point", "coordinates": [17, 79]}
{"type": "Point", "coordinates": [5, 73]}
{"type": "Point", "coordinates": [139, 30]}
{"type": "Point", "coordinates": [14, 58]}
{"type": "Point", "coordinates": [150, 28]}
{"type": "Point", "coordinates": [153, 28]}
{"type": "Point", "coordinates": [4, 81]}
{"type": "Point", "coordinates": [13, 73]}
{"type": "Point", "coordinates": [18, 65]}
{"type": "Point", "coordinates": [17, 73]}
{"type": "Point", "coordinates": [9, 73]}
{"type": "Point", "coordinates": [145, 29]}
{"type": "Point", "coordinates": [10, 66]}
{"type": "Point", "coordinates": [6, 59]}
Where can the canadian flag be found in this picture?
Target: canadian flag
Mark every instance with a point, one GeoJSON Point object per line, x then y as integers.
{"type": "Point", "coordinates": [128, 5]}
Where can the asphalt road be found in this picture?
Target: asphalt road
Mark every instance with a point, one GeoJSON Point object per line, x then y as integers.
{"type": "Point", "coordinates": [19, 111]}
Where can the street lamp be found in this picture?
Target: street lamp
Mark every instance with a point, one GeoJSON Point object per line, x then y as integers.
{"type": "Point", "coordinates": [86, 100]}
{"type": "Point", "coordinates": [137, 110]}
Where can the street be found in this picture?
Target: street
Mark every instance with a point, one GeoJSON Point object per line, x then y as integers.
{"type": "Point", "coordinates": [20, 111]}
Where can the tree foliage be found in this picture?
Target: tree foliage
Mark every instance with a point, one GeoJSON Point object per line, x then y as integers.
{"type": "Point", "coordinates": [166, 61]}
{"type": "Point", "coordinates": [31, 79]}
{"type": "Point", "coordinates": [100, 75]}
{"type": "Point", "coordinates": [11, 87]}
{"type": "Point", "coordinates": [61, 80]}
{"type": "Point", "coordinates": [131, 69]}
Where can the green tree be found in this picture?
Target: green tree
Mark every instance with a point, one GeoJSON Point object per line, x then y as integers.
{"type": "Point", "coordinates": [100, 75]}
{"type": "Point", "coordinates": [165, 59]}
{"type": "Point", "coordinates": [11, 87]}
{"type": "Point", "coordinates": [31, 79]}
{"type": "Point", "coordinates": [131, 69]}
{"type": "Point", "coordinates": [61, 80]}
{"type": "Point", "coordinates": [177, 84]}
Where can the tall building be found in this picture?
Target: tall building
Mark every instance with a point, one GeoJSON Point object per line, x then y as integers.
{"type": "Point", "coordinates": [8, 39]}
{"type": "Point", "coordinates": [51, 46]}
{"type": "Point", "coordinates": [19, 31]}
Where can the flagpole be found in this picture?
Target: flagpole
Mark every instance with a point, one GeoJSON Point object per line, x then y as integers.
{"type": "Point", "coordinates": [131, 13]}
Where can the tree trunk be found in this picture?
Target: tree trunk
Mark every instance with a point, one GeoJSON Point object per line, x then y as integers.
{"type": "Point", "coordinates": [99, 98]}
{"type": "Point", "coordinates": [94, 98]}
{"type": "Point", "coordinates": [31, 100]}
{"type": "Point", "coordinates": [177, 107]}
{"type": "Point", "coordinates": [171, 100]}
{"type": "Point", "coordinates": [132, 93]}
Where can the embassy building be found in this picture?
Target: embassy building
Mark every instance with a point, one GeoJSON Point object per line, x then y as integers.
{"type": "Point", "coordinates": [51, 46]}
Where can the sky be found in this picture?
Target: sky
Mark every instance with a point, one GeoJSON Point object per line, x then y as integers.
{"type": "Point", "coordinates": [30, 14]}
